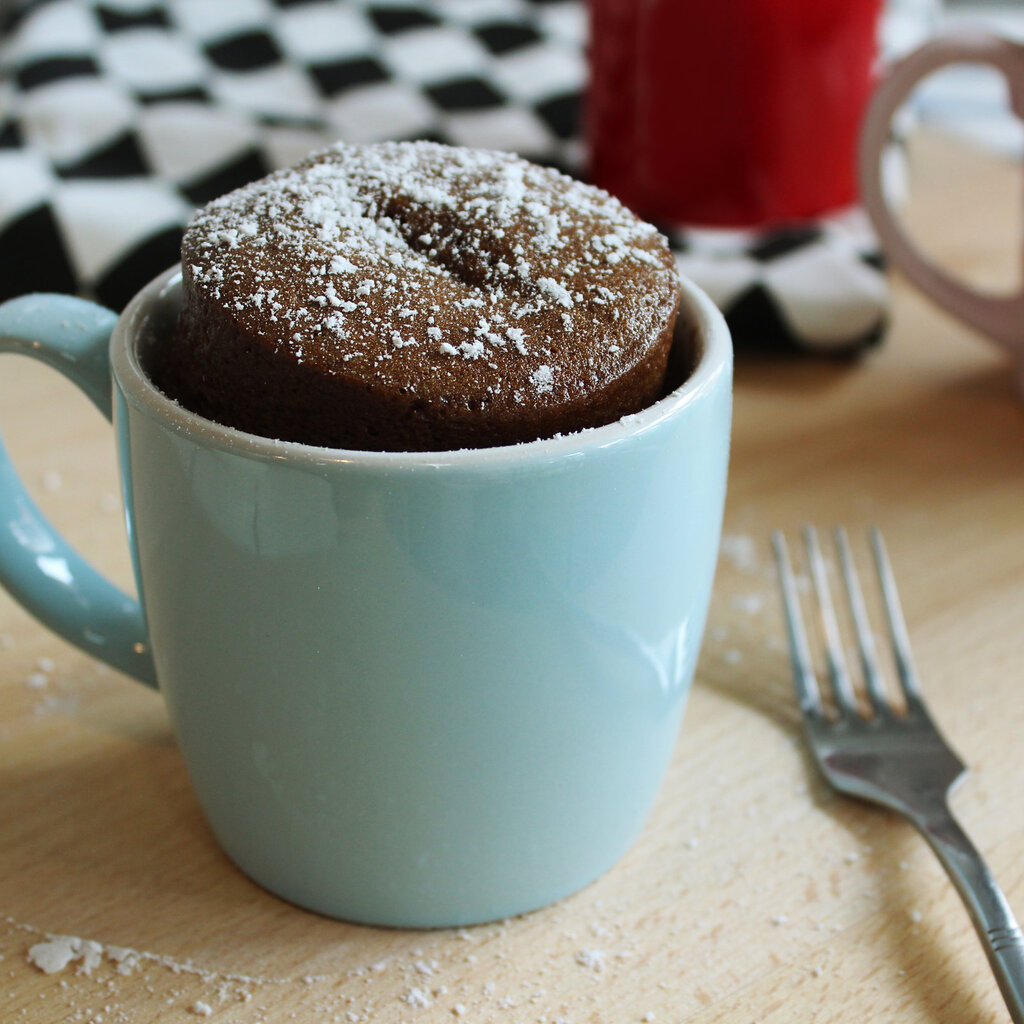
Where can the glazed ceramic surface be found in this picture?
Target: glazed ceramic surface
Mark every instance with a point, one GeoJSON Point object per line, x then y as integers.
{"type": "Point", "coordinates": [999, 316]}
{"type": "Point", "coordinates": [410, 689]}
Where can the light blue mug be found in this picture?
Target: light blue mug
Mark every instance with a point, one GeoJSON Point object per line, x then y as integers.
{"type": "Point", "coordinates": [410, 689]}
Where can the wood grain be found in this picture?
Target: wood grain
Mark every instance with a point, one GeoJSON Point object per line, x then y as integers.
{"type": "Point", "coordinates": [754, 894]}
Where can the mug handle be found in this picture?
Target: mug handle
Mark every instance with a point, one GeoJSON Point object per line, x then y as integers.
{"type": "Point", "coordinates": [1000, 317]}
{"type": "Point", "coordinates": [40, 570]}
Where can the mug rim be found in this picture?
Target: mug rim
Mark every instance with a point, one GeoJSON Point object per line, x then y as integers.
{"type": "Point", "coordinates": [714, 356]}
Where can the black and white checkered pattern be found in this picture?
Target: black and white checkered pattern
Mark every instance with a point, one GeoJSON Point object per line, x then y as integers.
{"type": "Point", "coordinates": [820, 286]}
{"type": "Point", "coordinates": [120, 116]}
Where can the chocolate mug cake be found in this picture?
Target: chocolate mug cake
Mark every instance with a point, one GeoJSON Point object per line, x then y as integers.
{"type": "Point", "coordinates": [410, 296]}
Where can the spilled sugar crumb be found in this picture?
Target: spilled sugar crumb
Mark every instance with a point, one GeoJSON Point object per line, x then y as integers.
{"type": "Point", "coordinates": [40, 679]}
{"type": "Point", "coordinates": [740, 549]}
{"type": "Point", "coordinates": [418, 998]}
{"type": "Point", "coordinates": [57, 952]}
{"type": "Point", "coordinates": [594, 959]}
{"type": "Point", "coordinates": [749, 604]}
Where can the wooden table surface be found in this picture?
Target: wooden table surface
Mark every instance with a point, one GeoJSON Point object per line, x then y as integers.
{"type": "Point", "coordinates": [753, 894]}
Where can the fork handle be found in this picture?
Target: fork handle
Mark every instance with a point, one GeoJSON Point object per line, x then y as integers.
{"type": "Point", "coordinates": [989, 910]}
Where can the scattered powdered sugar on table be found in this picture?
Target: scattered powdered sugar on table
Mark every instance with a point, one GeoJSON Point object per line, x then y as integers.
{"type": "Point", "coordinates": [749, 604]}
{"type": "Point", "coordinates": [58, 951]}
{"type": "Point", "coordinates": [109, 502]}
{"type": "Point", "coordinates": [418, 998]}
{"type": "Point", "coordinates": [740, 549]}
{"type": "Point", "coordinates": [39, 679]}
{"type": "Point", "coordinates": [594, 959]}
{"type": "Point", "coordinates": [427, 982]}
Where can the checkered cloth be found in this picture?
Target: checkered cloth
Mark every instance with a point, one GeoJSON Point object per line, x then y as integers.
{"type": "Point", "coordinates": [118, 117]}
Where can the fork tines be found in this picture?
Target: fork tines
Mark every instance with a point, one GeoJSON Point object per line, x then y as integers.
{"type": "Point", "coordinates": [900, 761]}
{"type": "Point", "coordinates": [843, 690]}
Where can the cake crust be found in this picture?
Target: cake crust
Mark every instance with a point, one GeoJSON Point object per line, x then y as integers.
{"type": "Point", "coordinates": [416, 297]}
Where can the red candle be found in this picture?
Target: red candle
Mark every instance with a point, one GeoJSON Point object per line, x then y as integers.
{"type": "Point", "coordinates": [731, 113]}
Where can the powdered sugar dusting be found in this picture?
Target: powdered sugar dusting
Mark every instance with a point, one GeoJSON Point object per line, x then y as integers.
{"type": "Point", "coordinates": [413, 261]}
{"type": "Point", "coordinates": [554, 290]}
{"type": "Point", "coordinates": [541, 379]}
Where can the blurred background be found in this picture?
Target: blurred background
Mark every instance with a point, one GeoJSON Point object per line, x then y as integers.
{"type": "Point", "coordinates": [119, 117]}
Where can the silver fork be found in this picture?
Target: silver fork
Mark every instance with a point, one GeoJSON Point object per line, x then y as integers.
{"type": "Point", "coordinates": [890, 755]}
